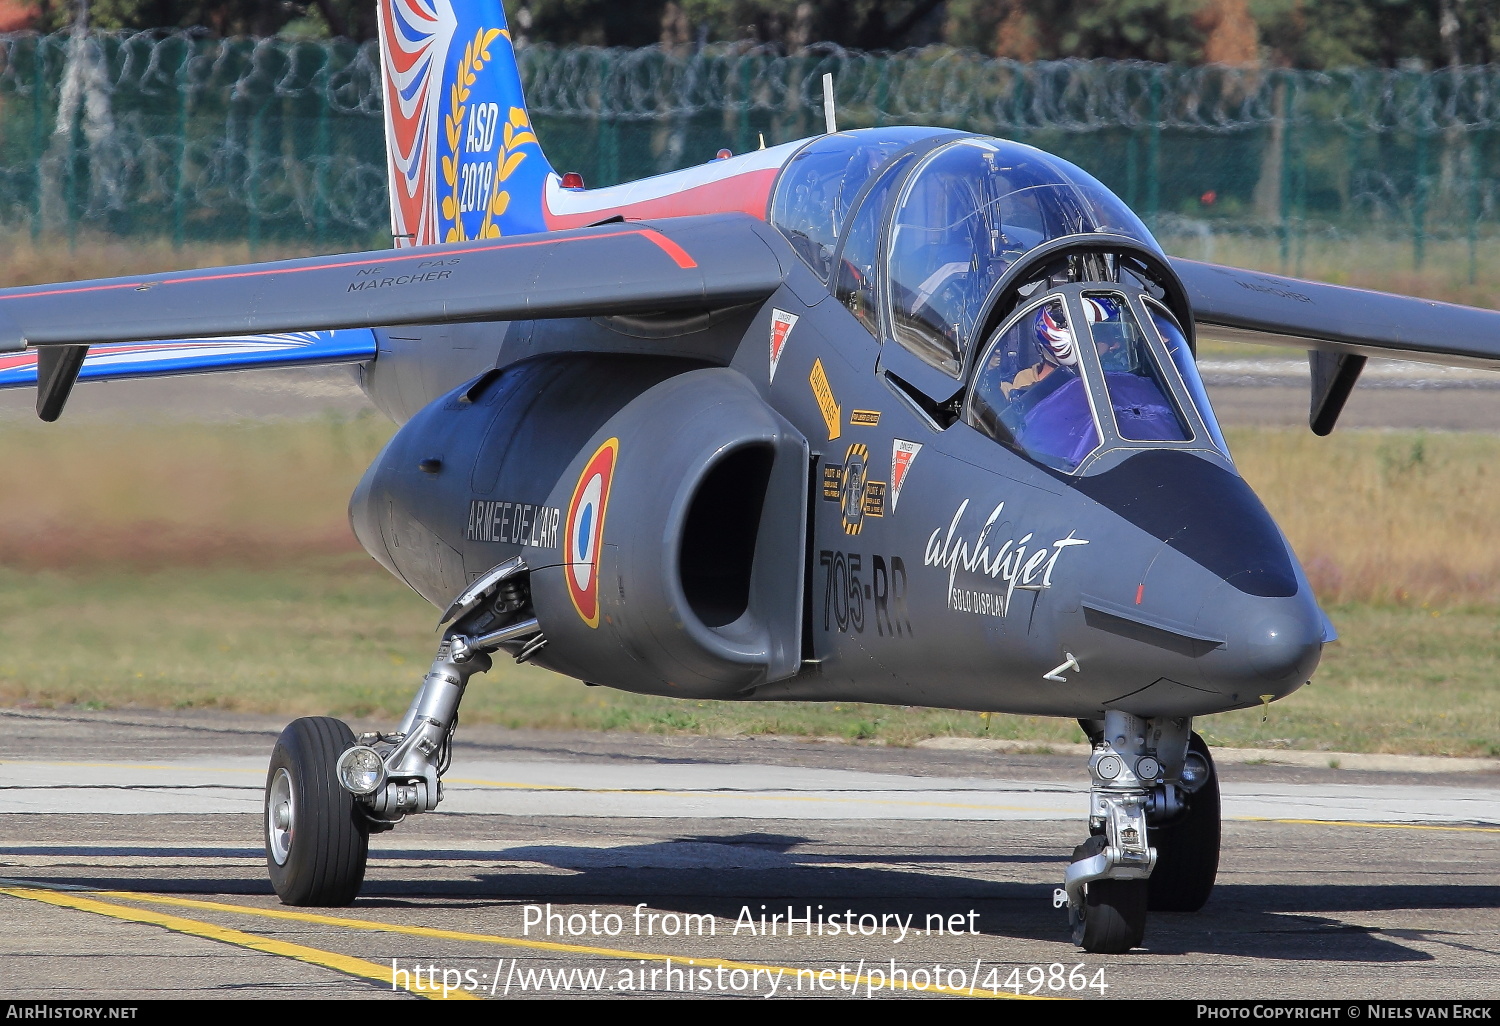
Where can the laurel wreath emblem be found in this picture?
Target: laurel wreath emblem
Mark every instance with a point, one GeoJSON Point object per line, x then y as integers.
{"type": "Point", "coordinates": [516, 133]}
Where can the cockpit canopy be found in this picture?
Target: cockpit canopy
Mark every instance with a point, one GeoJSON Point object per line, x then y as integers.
{"type": "Point", "coordinates": [914, 229]}
{"type": "Point", "coordinates": [818, 187]}
{"type": "Point", "coordinates": [967, 210]}
{"type": "Point", "coordinates": [966, 214]}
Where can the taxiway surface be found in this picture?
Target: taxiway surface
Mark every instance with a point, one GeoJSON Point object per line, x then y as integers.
{"type": "Point", "coordinates": [132, 852]}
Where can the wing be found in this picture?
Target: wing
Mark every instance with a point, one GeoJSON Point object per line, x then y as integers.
{"type": "Point", "coordinates": [683, 263]}
{"type": "Point", "coordinates": [689, 263]}
{"type": "Point", "coordinates": [1339, 327]}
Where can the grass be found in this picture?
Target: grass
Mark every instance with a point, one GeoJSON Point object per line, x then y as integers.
{"type": "Point", "coordinates": [1403, 518]}
{"type": "Point", "coordinates": [1401, 679]}
{"type": "Point", "coordinates": [338, 636]}
{"type": "Point", "coordinates": [181, 494]}
{"type": "Point", "coordinates": [210, 566]}
{"type": "Point", "coordinates": [24, 262]}
{"type": "Point", "coordinates": [1385, 517]}
{"type": "Point", "coordinates": [1372, 262]}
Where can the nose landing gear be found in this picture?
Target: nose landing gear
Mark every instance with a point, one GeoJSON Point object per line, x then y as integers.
{"type": "Point", "coordinates": [1153, 781]}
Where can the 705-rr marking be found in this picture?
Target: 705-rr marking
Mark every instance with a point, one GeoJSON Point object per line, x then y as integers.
{"type": "Point", "coordinates": [845, 595]}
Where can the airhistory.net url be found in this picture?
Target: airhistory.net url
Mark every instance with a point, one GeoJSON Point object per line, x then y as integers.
{"type": "Point", "coordinates": [862, 979]}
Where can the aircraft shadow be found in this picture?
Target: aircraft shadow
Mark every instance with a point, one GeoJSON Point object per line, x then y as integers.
{"type": "Point", "coordinates": [719, 874]}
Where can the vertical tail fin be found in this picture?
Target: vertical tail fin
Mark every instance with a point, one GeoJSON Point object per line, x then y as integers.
{"type": "Point", "coordinates": [463, 160]}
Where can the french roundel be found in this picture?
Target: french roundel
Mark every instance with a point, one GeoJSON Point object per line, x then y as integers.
{"type": "Point", "coordinates": [583, 531]}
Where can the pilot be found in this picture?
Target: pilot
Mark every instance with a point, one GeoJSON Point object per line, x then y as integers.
{"type": "Point", "coordinates": [1055, 344]}
{"type": "Point", "coordinates": [1110, 331]}
{"type": "Point", "coordinates": [1058, 347]}
{"type": "Point", "coordinates": [1043, 408]}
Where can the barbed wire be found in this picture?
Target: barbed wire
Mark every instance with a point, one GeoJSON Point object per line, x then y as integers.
{"type": "Point", "coordinates": [997, 96]}
{"type": "Point", "coordinates": [937, 86]}
{"type": "Point", "coordinates": [340, 75]}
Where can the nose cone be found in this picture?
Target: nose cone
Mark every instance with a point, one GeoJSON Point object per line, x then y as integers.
{"type": "Point", "coordinates": [1274, 643]}
{"type": "Point", "coordinates": [1283, 647]}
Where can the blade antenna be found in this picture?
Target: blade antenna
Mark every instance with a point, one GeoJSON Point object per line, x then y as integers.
{"type": "Point", "coordinates": [829, 117]}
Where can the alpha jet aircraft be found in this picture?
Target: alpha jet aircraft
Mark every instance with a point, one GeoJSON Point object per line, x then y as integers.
{"type": "Point", "coordinates": [901, 415]}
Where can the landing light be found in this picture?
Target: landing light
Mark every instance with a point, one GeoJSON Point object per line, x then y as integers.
{"type": "Point", "coordinates": [1194, 772]}
{"type": "Point", "coordinates": [361, 770]}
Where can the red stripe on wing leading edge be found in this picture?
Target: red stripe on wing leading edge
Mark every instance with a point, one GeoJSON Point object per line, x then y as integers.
{"type": "Point", "coordinates": [679, 256]}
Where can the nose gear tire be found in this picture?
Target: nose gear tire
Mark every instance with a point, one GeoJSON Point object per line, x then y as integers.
{"type": "Point", "coordinates": [317, 840]}
{"type": "Point", "coordinates": [1187, 850]}
{"type": "Point", "coordinates": [1113, 917]}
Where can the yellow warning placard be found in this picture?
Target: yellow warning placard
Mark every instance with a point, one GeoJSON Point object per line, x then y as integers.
{"type": "Point", "coordinates": [823, 393]}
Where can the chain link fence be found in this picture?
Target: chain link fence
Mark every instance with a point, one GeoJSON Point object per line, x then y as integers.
{"type": "Point", "coordinates": [188, 138]}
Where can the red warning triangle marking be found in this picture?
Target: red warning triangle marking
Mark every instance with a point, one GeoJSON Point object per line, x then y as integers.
{"type": "Point", "coordinates": [902, 455]}
{"type": "Point", "coordinates": [781, 329]}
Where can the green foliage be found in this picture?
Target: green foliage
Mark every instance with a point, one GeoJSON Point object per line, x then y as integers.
{"type": "Point", "coordinates": [353, 19]}
{"type": "Point", "coordinates": [1165, 31]}
{"type": "Point", "coordinates": [1351, 33]}
{"type": "Point", "coordinates": [587, 22]}
{"type": "Point", "coordinates": [1291, 33]}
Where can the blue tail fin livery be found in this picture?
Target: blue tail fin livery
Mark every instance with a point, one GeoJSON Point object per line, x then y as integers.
{"type": "Point", "coordinates": [465, 164]}
{"type": "Point", "coordinates": [463, 160]}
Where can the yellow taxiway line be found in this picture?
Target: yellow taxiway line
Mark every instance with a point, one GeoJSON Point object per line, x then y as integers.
{"type": "Point", "coordinates": [359, 967]}
{"type": "Point", "coordinates": [1372, 826]}
{"type": "Point", "coordinates": [193, 927]}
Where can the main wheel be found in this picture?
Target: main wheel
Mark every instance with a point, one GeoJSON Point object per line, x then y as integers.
{"type": "Point", "coordinates": [1187, 851]}
{"type": "Point", "coordinates": [316, 840]}
{"type": "Point", "coordinates": [1113, 918]}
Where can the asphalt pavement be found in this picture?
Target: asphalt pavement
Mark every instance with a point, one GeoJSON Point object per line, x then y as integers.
{"type": "Point", "coordinates": [565, 863]}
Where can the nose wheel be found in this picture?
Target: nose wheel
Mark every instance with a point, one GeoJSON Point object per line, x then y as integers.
{"type": "Point", "coordinates": [317, 841]}
{"type": "Point", "coordinates": [1187, 848]}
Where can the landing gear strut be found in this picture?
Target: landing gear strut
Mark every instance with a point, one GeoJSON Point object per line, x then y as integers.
{"type": "Point", "coordinates": [327, 791]}
{"type": "Point", "coordinates": [1152, 780]}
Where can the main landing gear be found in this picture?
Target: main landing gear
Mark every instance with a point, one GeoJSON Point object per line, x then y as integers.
{"type": "Point", "coordinates": [327, 791]}
{"type": "Point", "coordinates": [1154, 830]}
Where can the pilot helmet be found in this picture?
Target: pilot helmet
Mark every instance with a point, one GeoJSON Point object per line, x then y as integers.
{"type": "Point", "coordinates": [1057, 344]}
{"type": "Point", "coordinates": [1110, 331]}
{"type": "Point", "coordinates": [1101, 308]}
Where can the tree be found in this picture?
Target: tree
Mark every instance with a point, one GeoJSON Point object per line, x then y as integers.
{"type": "Point", "coordinates": [1293, 33]}
{"type": "Point", "coordinates": [352, 18]}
